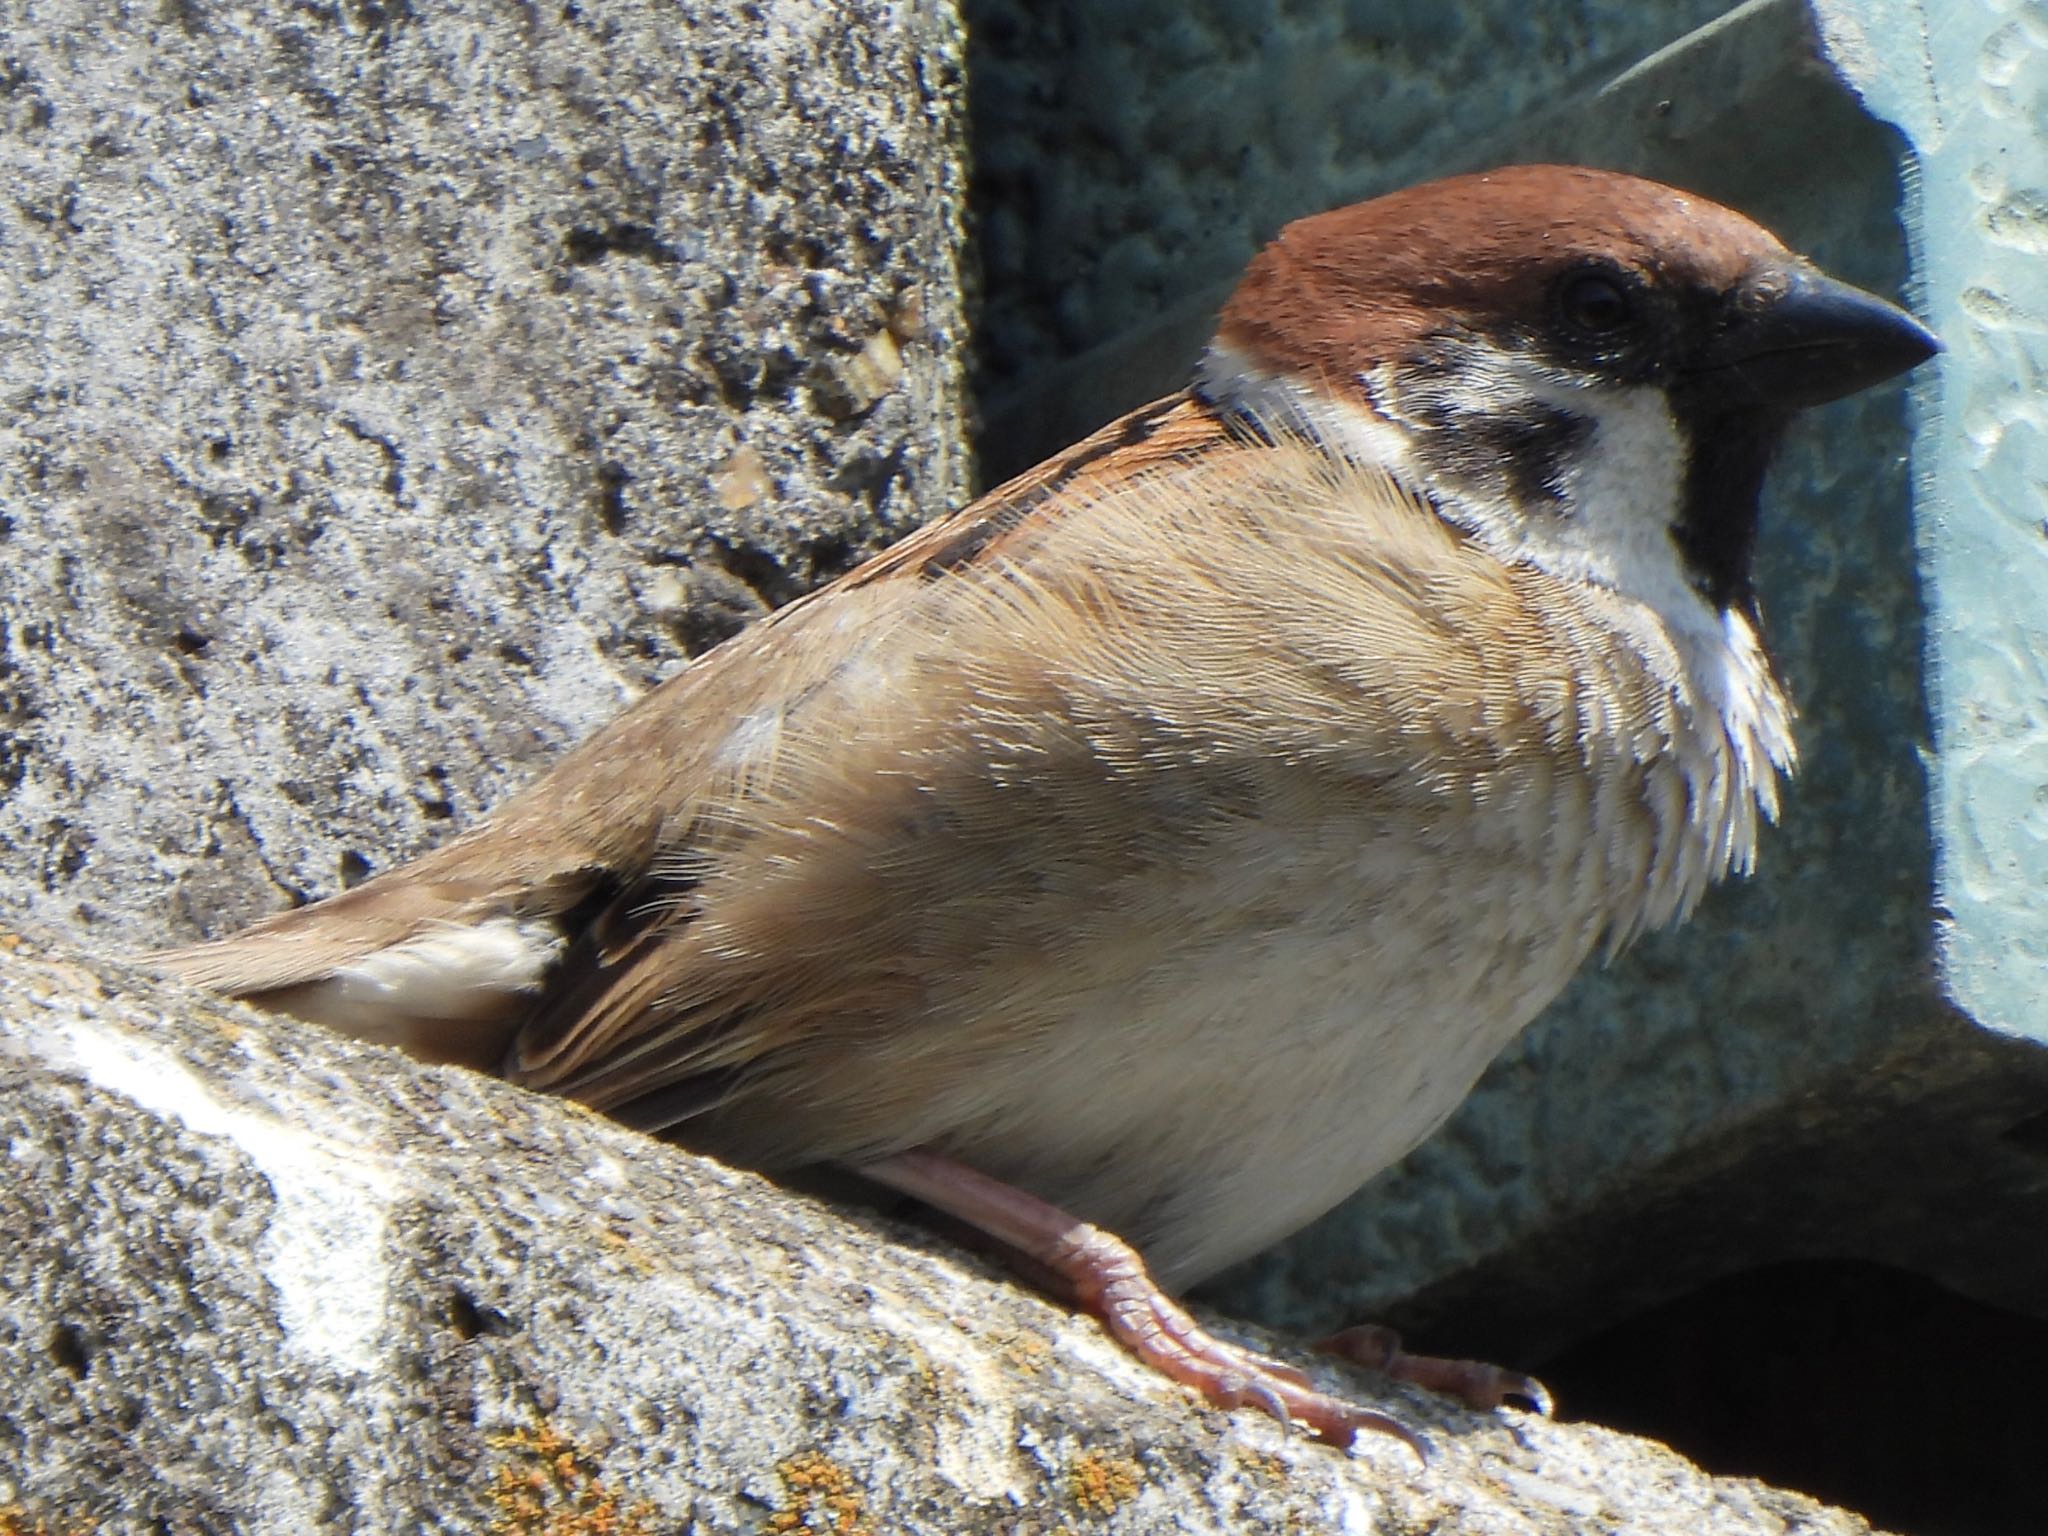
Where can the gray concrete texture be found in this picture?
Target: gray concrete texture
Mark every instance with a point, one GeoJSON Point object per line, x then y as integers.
{"type": "Point", "coordinates": [390, 396]}
{"type": "Point", "coordinates": [319, 1288]}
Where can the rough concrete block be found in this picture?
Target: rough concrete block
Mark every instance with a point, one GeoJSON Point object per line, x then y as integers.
{"type": "Point", "coordinates": [392, 393]}
{"type": "Point", "coordinates": [318, 1288]}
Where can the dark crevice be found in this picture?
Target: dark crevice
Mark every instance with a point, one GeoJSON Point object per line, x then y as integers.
{"type": "Point", "coordinates": [394, 477]}
{"type": "Point", "coordinates": [439, 805]}
{"type": "Point", "coordinates": [870, 476]}
{"type": "Point", "coordinates": [780, 372]}
{"type": "Point", "coordinates": [755, 569]}
{"type": "Point", "coordinates": [18, 714]}
{"type": "Point", "coordinates": [470, 1318]}
{"type": "Point", "coordinates": [66, 850]}
{"type": "Point", "coordinates": [68, 1350]}
{"type": "Point", "coordinates": [1869, 1387]}
{"type": "Point", "coordinates": [586, 243]}
{"type": "Point", "coordinates": [612, 480]}
{"type": "Point", "coordinates": [2030, 1134]}
{"type": "Point", "coordinates": [830, 555]}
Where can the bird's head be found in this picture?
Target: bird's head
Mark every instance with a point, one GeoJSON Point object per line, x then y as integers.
{"type": "Point", "coordinates": [1587, 370]}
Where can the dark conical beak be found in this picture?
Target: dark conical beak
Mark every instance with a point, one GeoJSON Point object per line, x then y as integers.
{"type": "Point", "coordinates": [1804, 339]}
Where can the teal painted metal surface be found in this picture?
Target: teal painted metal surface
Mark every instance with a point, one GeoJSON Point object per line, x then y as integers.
{"type": "Point", "coordinates": [1967, 83]}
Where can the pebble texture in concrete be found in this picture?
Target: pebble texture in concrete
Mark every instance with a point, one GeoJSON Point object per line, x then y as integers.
{"type": "Point", "coordinates": [319, 1288]}
{"type": "Point", "coordinates": [391, 393]}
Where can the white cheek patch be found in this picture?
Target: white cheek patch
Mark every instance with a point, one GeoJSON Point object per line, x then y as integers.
{"type": "Point", "coordinates": [1623, 494]}
{"type": "Point", "coordinates": [1618, 491]}
{"type": "Point", "coordinates": [1230, 380]}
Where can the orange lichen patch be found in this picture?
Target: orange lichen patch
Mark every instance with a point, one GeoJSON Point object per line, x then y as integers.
{"type": "Point", "coordinates": [819, 1487]}
{"type": "Point", "coordinates": [1029, 1352]}
{"type": "Point", "coordinates": [13, 1522]}
{"type": "Point", "coordinates": [628, 1249]}
{"type": "Point", "coordinates": [1273, 1468]}
{"type": "Point", "coordinates": [1102, 1483]}
{"type": "Point", "coordinates": [545, 1486]}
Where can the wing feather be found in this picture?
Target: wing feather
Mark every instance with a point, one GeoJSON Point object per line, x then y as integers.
{"type": "Point", "coordinates": [624, 809]}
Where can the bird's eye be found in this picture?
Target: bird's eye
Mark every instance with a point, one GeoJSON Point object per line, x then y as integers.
{"type": "Point", "coordinates": [1595, 303]}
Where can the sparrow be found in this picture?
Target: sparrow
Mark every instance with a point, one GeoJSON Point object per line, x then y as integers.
{"type": "Point", "coordinates": [1135, 862]}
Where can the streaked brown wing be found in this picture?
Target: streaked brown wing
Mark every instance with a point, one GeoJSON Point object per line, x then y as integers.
{"type": "Point", "coordinates": [609, 1027]}
{"type": "Point", "coordinates": [549, 852]}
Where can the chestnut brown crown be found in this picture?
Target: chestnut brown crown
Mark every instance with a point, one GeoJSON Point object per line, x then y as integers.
{"type": "Point", "coordinates": [1602, 273]}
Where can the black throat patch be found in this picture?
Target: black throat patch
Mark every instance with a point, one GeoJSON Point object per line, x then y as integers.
{"type": "Point", "coordinates": [1717, 520]}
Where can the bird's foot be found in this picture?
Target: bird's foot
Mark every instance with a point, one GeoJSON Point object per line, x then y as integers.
{"type": "Point", "coordinates": [1472, 1382]}
{"type": "Point", "coordinates": [1110, 1279]}
{"type": "Point", "coordinates": [1107, 1276]}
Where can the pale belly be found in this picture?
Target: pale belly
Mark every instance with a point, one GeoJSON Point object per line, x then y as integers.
{"type": "Point", "coordinates": [1260, 1071]}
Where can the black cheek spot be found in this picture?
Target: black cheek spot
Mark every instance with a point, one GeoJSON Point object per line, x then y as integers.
{"type": "Point", "coordinates": [1535, 448]}
{"type": "Point", "coordinates": [1524, 452]}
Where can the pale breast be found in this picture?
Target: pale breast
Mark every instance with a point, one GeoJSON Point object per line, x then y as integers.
{"type": "Point", "coordinates": [1333, 989]}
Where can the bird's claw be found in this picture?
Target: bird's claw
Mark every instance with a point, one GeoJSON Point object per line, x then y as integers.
{"type": "Point", "coordinates": [1472, 1382]}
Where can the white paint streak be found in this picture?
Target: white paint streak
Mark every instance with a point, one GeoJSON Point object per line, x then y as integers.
{"type": "Point", "coordinates": [324, 1252]}
{"type": "Point", "coordinates": [973, 1450]}
{"type": "Point", "coordinates": [1354, 1516]}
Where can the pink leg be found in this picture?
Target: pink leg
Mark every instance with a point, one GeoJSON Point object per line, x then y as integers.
{"type": "Point", "coordinates": [1472, 1382]}
{"type": "Point", "coordinates": [1108, 1278]}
